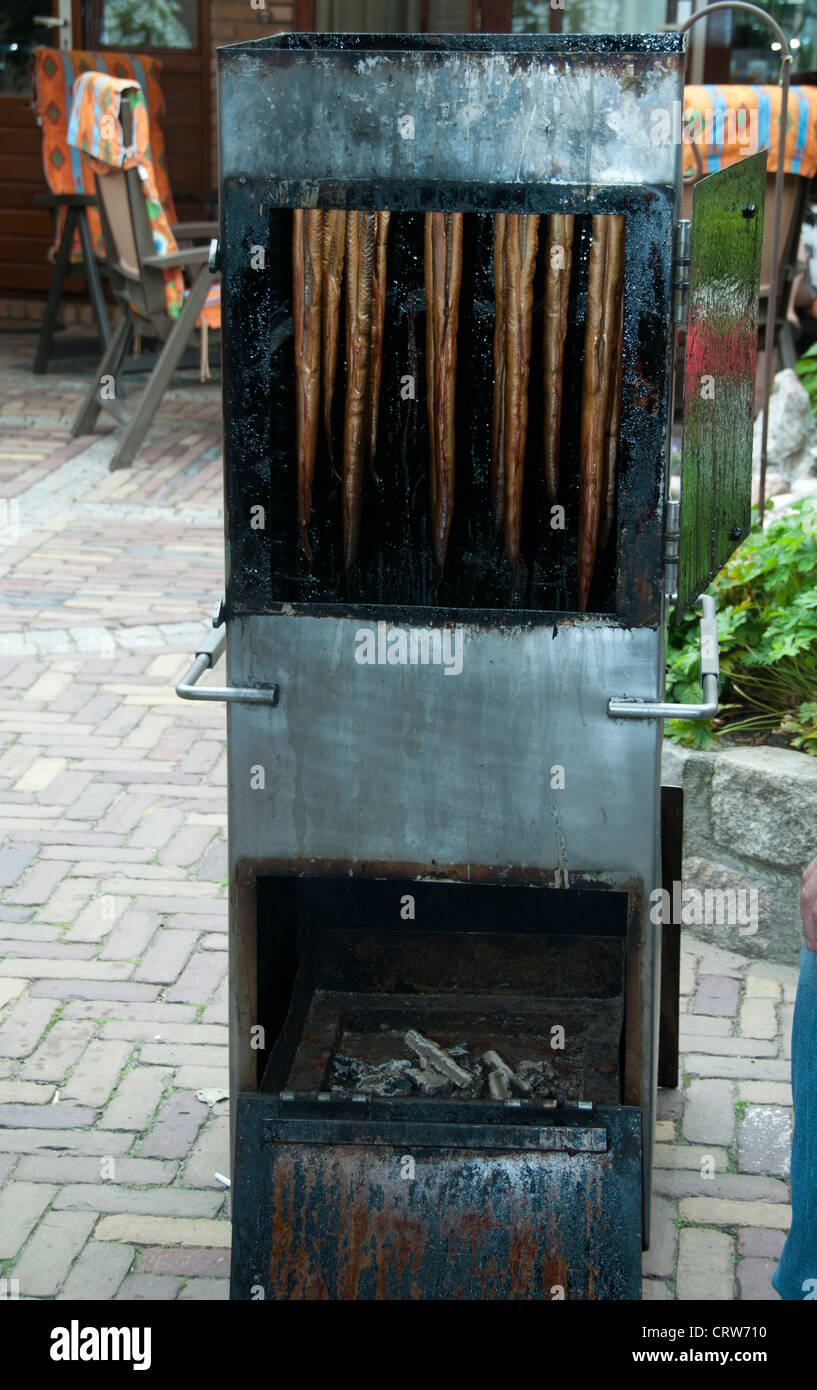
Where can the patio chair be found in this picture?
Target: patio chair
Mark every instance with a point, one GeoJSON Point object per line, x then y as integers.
{"type": "Point", "coordinates": [144, 260]}
{"type": "Point", "coordinates": [78, 242]}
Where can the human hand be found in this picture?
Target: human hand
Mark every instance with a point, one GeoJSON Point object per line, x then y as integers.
{"type": "Point", "coordinates": [808, 905]}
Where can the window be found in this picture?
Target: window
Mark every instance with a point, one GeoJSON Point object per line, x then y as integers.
{"type": "Point", "coordinates": [589, 16]}
{"type": "Point", "coordinates": [752, 57]}
{"type": "Point", "coordinates": [22, 29]}
{"type": "Point", "coordinates": [148, 23]}
{"type": "Point", "coordinates": [367, 16]}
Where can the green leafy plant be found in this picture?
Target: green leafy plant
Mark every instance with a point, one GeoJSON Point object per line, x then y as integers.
{"type": "Point", "coordinates": [806, 369]}
{"type": "Point", "coordinates": [766, 599]}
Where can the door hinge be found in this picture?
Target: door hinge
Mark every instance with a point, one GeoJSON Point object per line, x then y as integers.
{"type": "Point", "coordinates": [672, 549]}
{"type": "Point", "coordinates": [680, 273]}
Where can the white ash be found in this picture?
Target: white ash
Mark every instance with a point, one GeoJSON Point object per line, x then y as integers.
{"type": "Point", "coordinates": [444, 1073]}
{"type": "Point", "coordinates": [498, 1088]}
{"type": "Point", "coordinates": [387, 1079]}
{"type": "Point", "coordinates": [437, 1059]}
{"type": "Point", "coordinates": [510, 1080]}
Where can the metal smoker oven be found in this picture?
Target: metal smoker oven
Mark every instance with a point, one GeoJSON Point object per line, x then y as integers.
{"type": "Point", "coordinates": [403, 849]}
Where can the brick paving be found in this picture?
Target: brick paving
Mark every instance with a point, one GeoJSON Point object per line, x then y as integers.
{"type": "Point", "coordinates": [721, 1191]}
{"type": "Point", "coordinates": [113, 1020]}
{"type": "Point", "coordinates": [112, 863]}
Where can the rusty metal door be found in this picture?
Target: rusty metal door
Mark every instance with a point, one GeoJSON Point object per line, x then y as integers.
{"type": "Point", "coordinates": [719, 378]}
{"type": "Point", "coordinates": [406, 1209]}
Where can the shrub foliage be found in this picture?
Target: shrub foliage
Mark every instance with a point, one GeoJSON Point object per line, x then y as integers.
{"type": "Point", "coordinates": [766, 599]}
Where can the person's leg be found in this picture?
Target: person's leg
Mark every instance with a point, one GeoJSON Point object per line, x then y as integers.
{"type": "Point", "coordinates": [796, 1275]}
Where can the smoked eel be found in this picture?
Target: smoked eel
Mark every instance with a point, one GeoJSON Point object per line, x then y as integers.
{"type": "Point", "coordinates": [381, 236]}
{"type": "Point", "coordinates": [616, 277]}
{"type": "Point", "coordinates": [360, 247]}
{"type": "Point", "coordinates": [443, 272]}
{"type": "Point", "coordinates": [521, 237]}
{"type": "Point", "coordinates": [557, 286]}
{"type": "Point", "coordinates": [334, 251]}
{"type": "Point", "coordinates": [603, 289]}
{"type": "Point", "coordinates": [498, 414]}
{"type": "Point", "coordinates": [307, 254]}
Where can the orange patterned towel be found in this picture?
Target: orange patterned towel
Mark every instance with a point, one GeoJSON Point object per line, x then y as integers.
{"type": "Point", "coordinates": [95, 131]}
{"type": "Point", "coordinates": [94, 127]}
{"type": "Point", "coordinates": [66, 169]}
{"type": "Point", "coordinates": [726, 124]}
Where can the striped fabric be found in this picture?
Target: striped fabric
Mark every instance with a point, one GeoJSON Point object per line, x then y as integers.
{"type": "Point", "coordinates": [66, 169]}
{"type": "Point", "coordinates": [95, 132]}
{"type": "Point", "coordinates": [726, 124]}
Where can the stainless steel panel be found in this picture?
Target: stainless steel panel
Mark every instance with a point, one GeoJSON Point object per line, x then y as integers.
{"type": "Point", "coordinates": [404, 763]}
{"type": "Point", "coordinates": [490, 117]}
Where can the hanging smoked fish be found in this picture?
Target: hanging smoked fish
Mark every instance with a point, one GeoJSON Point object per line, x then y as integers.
{"type": "Point", "coordinates": [521, 236]}
{"type": "Point", "coordinates": [593, 418]}
{"type": "Point", "coordinates": [431, 355]}
{"type": "Point", "coordinates": [307, 260]}
{"type": "Point", "coordinates": [603, 287]}
{"type": "Point", "coordinates": [381, 237]}
{"type": "Point", "coordinates": [498, 415]}
{"type": "Point", "coordinates": [360, 246]}
{"type": "Point", "coordinates": [557, 288]}
{"type": "Point", "coordinates": [616, 276]}
{"type": "Point", "coordinates": [443, 273]}
{"type": "Point", "coordinates": [334, 250]}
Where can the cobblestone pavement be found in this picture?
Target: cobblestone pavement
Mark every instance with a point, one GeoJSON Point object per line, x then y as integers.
{"type": "Point", "coordinates": [720, 1207]}
{"type": "Point", "coordinates": [113, 1037]}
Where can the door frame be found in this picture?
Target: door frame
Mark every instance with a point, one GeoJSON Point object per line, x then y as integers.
{"type": "Point", "coordinates": [80, 10]}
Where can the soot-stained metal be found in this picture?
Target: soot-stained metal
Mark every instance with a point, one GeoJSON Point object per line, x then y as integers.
{"type": "Point", "coordinates": [382, 1202]}
{"type": "Point", "coordinates": [465, 846]}
{"type": "Point", "coordinates": [508, 86]}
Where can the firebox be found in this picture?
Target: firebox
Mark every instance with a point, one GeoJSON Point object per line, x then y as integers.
{"type": "Point", "coordinates": [453, 284]}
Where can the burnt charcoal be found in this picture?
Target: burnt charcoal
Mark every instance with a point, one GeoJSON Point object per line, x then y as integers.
{"type": "Point", "coordinates": [498, 1088]}
{"type": "Point", "coordinates": [469, 1062]}
{"type": "Point", "coordinates": [345, 1072]}
{"type": "Point", "coordinates": [430, 1083]}
{"type": "Point", "coordinates": [539, 1076]}
{"type": "Point", "coordinates": [436, 1057]}
{"type": "Point", "coordinates": [385, 1085]}
{"type": "Point", "coordinates": [510, 1080]}
{"type": "Point", "coordinates": [444, 1073]}
{"type": "Point", "coordinates": [387, 1079]}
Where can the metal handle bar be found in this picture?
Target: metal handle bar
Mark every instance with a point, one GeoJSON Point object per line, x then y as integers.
{"type": "Point", "coordinates": [710, 672]}
{"type": "Point", "coordinates": [207, 654]}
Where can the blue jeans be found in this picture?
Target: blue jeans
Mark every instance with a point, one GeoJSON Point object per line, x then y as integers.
{"type": "Point", "coordinates": [796, 1275]}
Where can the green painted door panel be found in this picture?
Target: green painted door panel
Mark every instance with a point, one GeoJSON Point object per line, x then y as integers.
{"type": "Point", "coordinates": [719, 379]}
